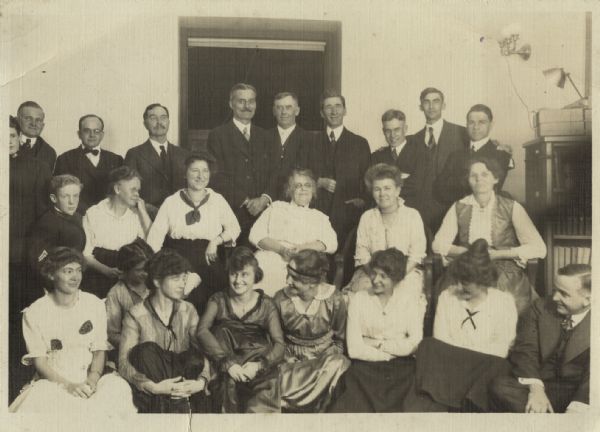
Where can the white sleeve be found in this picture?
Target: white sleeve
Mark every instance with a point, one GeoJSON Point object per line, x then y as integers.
{"type": "Point", "coordinates": [531, 243]}
{"type": "Point", "coordinates": [160, 227]}
{"type": "Point", "coordinates": [36, 347]}
{"type": "Point", "coordinates": [506, 323]}
{"type": "Point", "coordinates": [90, 237]}
{"type": "Point", "coordinates": [406, 342]}
{"type": "Point", "coordinates": [445, 236]}
{"type": "Point", "coordinates": [441, 324]}
{"type": "Point", "coordinates": [260, 229]}
{"type": "Point", "coordinates": [328, 235]}
{"type": "Point", "coordinates": [418, 244]}
{"type": "Point", "coordinates": [231, 226]}
{"type": "Point", "coordinates": [100, 342]}
{"type": "Point", "coordinates": [362, 255]}
{"type": "Point", "coordinates": [357, 348]}
{"type": "Point", "coordinates": [576, 407]}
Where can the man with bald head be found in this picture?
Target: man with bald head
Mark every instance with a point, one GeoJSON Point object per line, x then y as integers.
{"type": "Point", "coordinates": [89, 162]}
{"type": "Point", "coordinates": [31, 120]}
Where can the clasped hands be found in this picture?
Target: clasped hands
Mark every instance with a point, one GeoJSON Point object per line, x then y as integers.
{"type": "Point", "coordinates": [177, 387]}
{"type": "Point", "coordinates": [84, 389]}
{"type": "Point", "coordinates": [244, 373]}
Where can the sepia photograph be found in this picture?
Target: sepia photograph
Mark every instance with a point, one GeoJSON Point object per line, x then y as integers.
{"type": "Point", "coordinates": [334, 215]}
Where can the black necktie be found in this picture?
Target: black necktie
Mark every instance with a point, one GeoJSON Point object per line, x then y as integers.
{"type": "Point", "coordinates": [332, 141]}
{"type": "Point", "coordinates": [566, 328]}
{"type": "Point", "coordinates": [27, 144]}
{"type": "Point", "coordinates": [473, 150]}
{"type": "Point", "coordinates": [163, 158]}
{"type": "Point", "coordinates": [470, 318]}
{"type": "Point", "coordinates": [95, 152]}
{"type": "Point", "coordinates": [431, 142]}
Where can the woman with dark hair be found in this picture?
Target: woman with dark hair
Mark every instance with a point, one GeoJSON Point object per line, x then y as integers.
{"type": "Point", "coordinates": [112, 223]}
{"type": "Point", "coordinates": [502, 222]}
{"type": "Point", "coordinates": [65, 333]}
{"type": "Point", "coordinates": [389, 225]}
{"type": "Point", "coordinates": [285, 228]}
{"type": "Point", "coordinates": [131, 288]}
{"type": "Point", "coordinates": [313, 317]}
{"type": "Point", "coordinates": [196, 222]}
{"type": "Point", "coordinates": [475, 325]}
{"type": "Point", "coordinates": [385, 325]}
{"type": "Point", "coordinates": [158, 351]}
{"type": "Point", "coordinates": [241, 333]}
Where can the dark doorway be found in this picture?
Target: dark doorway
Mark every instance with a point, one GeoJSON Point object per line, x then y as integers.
{"type": "Point", "coordinates": [273, 55]}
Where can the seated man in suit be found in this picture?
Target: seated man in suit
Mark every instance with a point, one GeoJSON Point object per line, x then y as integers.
{"type": "Point", "coordinates": [434, 144]}
{"type": "Point", "coordinates": [88, 162]}
{"type": "Point", "coordinates": [31, 120]}
{"type": "Point", "coordinates": [399, 151]}
{"type": "Point", "coordinates": [551, 356]}
{"type": "Point", "coordinates": [293, 140]}
{"type": "Point", "coordinates": [247, 160]}
{"type": "Point", "coordinates": [452, 184]}
{"type": "Point", "coordinates": [160, 163]}
{"type": "Point", "coordinates": [339, 159]}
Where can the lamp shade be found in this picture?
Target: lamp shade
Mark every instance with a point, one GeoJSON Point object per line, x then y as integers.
{"type": "Point", "coordinates": [556, 76]}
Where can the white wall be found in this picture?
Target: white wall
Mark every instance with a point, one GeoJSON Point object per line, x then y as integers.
{"type": "Point", "coordinates": [114, 58]}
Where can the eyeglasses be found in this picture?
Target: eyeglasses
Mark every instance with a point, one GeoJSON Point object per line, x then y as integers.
{"type": "Point", "coordinates": [90, 131]}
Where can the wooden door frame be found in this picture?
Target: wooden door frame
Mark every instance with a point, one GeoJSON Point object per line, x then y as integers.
{"type": "Point", "coordinates": [329, 32]}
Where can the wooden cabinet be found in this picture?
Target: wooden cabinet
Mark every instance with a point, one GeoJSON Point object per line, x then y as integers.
{"type": "Point", "coordinates": [558, 185]}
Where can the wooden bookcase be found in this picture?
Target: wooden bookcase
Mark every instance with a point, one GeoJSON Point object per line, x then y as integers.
{"type": "Point", "coordinates": [558, 193]}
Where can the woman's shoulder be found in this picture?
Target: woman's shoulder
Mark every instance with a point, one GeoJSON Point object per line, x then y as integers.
{"type": "Point", "coordinates": [90, 299]}
{"type": "Point", "coordinates": [40, 307]}
{"type": "Point", "coordinates": [497, 296]}
{"type": "Point", "coordinates": [187, 308]}
{"type": "Point", "coordinates": [97, 208]}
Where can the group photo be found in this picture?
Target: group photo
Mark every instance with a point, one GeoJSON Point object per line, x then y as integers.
{"type": "Point", "coordinates": [214, 212]}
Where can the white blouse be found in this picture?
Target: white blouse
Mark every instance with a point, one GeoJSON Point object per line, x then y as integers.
{"type": "Point", "coordinates": [105, 229]}
{"type": "Point", "coordinates": [290, 223]}
{"type": "Point", "coordinates": [397, 327]}
{"type": "Point", "coordinates": [531, 243]}
{"type": "Point", "coordinates": [216, 217]}
{"type": "Point", "coordinates": [407, 234]}
{"type": "Point", "coordinates": [489, 328]}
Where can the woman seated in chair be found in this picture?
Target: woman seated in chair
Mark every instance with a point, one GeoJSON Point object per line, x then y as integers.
{"type": "Point", "coordinates": [158, 352]}
{"type": "Point", "coordinates": [65, 333]}
{"type": "Point", "coordinates": [503, 222]}
{"type": "Point", "coordinates": [313, 317]}
{"type": "Point", "coordinates": [390, 225]}
{"type": "Point", "coordinates": [241, 333]}
{"type": "Point", "coordinates": [113, 222]}
{"type": "Point", "coordinates": [385, 325]}
{"type": "Point", "coordinates": [288, 227]}
{"type": "Point", "coordinates": [195, 222]}
{"type": "Point", "coordinates": [475, 325]}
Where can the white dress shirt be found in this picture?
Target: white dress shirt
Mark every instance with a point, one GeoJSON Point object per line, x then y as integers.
{"type": "Point", "coordinates": [476, 145]}
{"type": "Point", "coordinates": [241, 126]}
{"type": "Point", "coordinates": [437, 130]}
{"type": "Point", "coordinates": [105, 229]}
{"type": "Point", "coordinates": [156, 145]}
{"type": "Point", "coordinates": [216, 217]}
{"type": "Point", "coordinates": [493, 327]}
{"type": "Point", "coordinates": [284, 134]}
{"type": "Point", "coordinates": [530, 246]}
{"type": "Point", "coordinates": [397, 328]}
{"type": "Point", "coordinates": [94, 159]}
{"type": "Point", "coordinates": [337, 132]}
{"type": "Point", "coordinates": [24, 138]}
{"type": "Point", "coordinates": [396, 150]}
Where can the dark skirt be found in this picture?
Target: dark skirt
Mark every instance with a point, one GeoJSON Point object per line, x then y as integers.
{"type": "Point", "coordinates": [246, 343]}
{"type": "Point", "coordinates": [369, 387]}
{"type": "Point", "coordinates": [95, 282]}
{"type": "Point", "coordinates": [213, 276]}
{"type": "Point", "coordinates": [452, 378]}
{"type": "Point", "coordinates": [158, 364]}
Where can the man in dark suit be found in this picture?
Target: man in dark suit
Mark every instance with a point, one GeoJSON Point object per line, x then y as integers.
{"type": "Point", "coordinates": [399, 151]}
{"type": "Point", "coordinates": [88, 162]}
{"type": "Point", "coordinates": [31, 120]}
{"type": "Point", "coordinates": [551, 356]}
{"type": "Point", "coordinates": [452, 184]}
{"type": "Point", "coordinates": [434, 144]}
{"type": "Point", "coordinates": [339, 159]}
{"type": "Point", "coordinates": [293, 140]}
{"type": "Point", "coordinates": [247, 159]}
{"type": "Point", "coordinates": [160, 163]}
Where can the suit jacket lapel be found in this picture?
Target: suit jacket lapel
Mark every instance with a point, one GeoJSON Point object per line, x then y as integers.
{"type": "Point", "coordinates": [442, 151]}
{"type": "Point", "coordinates": [549, 328]}
{"type": "Point", "coordinates": [238, 140]}
{"type": "Point", "coordinates": [579, 340]}
{"type": "Point", "coordinates": [149, 155]}
{"type": "Point", "coordinates": [87, 165]}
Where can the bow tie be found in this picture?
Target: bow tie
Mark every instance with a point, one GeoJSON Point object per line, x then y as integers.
{"type": "Point", "coordinates": [95, 152]}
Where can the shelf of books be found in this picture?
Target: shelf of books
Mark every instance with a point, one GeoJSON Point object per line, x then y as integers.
{"type": "Point", "coordinates": [559, 197]}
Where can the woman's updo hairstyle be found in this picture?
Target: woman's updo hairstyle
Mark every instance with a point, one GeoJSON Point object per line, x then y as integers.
{"type": "Point", "coordinates": [165, 263]}
{"type": "Point", "coordinates": [311, 266]}
{"type": "Point", "coordinates": [56, 259]}
{"type": "Point", "coordinates": [242, 257]}
{"type": "Point", "coordinates": [475, 266]}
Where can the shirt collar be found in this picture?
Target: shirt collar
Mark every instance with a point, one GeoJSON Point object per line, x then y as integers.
{"type": "Point", "coordinates": [299, 206]}
{"type": "Point", "coordinates": [337, 132]}
{"type": "Point", "coordinates": [285, 132]}
{"type": "Point", "coordinates": [577, 318]}
{"type": "Point", "coordinates": [241, 126]}
{"type": "Point", "coordinates": [157, 145]}
{"type": "Point", "coordinates": [398, 148]}
{"type": "Point", "coordinates": [24, 138]}
{"type": "Point", "coordinates": [478, 144]}
{"type": "Point", "coordinates": [95, 148]}
{"type": "Point", "coordinates": [470, 200]}
{"type": "Point", "coordinates": [437, 125]}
